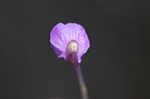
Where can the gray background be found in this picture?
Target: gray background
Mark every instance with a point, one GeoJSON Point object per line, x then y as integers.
{"type": "Point", "coordinates": [115, 67]}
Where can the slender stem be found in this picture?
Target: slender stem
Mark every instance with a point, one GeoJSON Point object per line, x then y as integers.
{"type": "Point", "coordinates": [83, 88]}
{"type": "Point", "coordinates": [72, 58]}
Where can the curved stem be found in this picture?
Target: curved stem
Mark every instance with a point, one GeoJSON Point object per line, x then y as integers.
{"type": "Point", "coordinates": [83, 88]}
{"type": "Point", "coordinates": [72, 58]}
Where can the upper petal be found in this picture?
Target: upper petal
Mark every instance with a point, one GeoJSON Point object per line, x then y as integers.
{"type": "Point", "coordinates": [55, 38]}
{"type": "Point", "coordinates": [73, 31]}
{"type": "Point", "coordinates": [62, 34]}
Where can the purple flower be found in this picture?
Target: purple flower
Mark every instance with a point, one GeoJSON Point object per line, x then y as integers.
{"type": "Point", "coordinates": [69, 38]}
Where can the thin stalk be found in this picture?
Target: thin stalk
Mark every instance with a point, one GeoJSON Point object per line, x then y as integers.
{"type": "Point", "coordinates": [83, 88]}
{"type": "Point", "coordinates": [82, 85]}
{"type": "Point", "coordinates": [72, 58]}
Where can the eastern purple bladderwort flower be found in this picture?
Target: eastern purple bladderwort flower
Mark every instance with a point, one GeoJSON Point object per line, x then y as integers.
{"type": "Point", "coordinates": [70, 41]}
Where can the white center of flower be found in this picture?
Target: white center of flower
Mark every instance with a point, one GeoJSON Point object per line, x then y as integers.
{"type": "Point", "coordinates": [72, 46]}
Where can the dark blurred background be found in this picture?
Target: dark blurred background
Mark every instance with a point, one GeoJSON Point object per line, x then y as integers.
{"type": "Point", "coordinates": [116, 66]}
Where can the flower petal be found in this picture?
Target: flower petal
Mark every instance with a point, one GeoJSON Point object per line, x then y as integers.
{"type": "Point", "coordinates": [55, 39]}
{"type": "Point", "coordinates": [62, 34]}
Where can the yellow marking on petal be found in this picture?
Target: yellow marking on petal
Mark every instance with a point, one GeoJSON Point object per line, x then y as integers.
{"type": "Point", "coordinates": [72, 47]}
